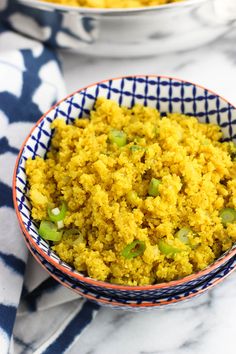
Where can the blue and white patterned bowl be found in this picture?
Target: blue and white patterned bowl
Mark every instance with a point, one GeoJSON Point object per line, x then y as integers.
{"type": "Point", "coordinates": [134, 304]}
{"type": "Point", "coordinates": [167, 95]}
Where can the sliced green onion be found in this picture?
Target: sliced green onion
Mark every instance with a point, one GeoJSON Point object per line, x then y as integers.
{"type": "Point", "coordinates": [57, 214]}
{"type": "Point", "coordinates": [182, 235]}
{"type": "Point", "coordinates": [228, 215]}
{"type": "Point", "coordinates": [118, 137]}
{"type": "Point", "coordinates": [60, 224]}
{"type": "Point", "coordinates": [153, 189]}
{"type": "Point", "coordinates": [134, 249]}
{"type": "Point", "coordinates": [48, 231]}
{"type": "Point", "coordinates": [167, 249]}
{"type": "Point", "coordinates": [135, 148]}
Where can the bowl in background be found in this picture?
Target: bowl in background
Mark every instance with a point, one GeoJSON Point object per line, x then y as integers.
{"type": "Point", "coordinates": [167, 95]}
{"type": "Point", "coordinates": [130, 32]}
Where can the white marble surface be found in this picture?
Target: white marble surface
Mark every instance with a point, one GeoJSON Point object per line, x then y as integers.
{"type": "Point", "coordinates": [205, 325]}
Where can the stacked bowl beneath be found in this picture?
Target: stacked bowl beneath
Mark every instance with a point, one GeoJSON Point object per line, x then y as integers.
{"type": "Point", "coordinates": [167, 95]}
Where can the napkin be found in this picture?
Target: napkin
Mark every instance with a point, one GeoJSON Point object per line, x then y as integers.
{"type": "Point", "coordinates": [37, 314]}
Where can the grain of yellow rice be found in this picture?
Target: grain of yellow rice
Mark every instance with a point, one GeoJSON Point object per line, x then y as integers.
{"type": "Point", "coordinates": [112, 3]}
{"type": "Point", "coordinates": [94, 178]}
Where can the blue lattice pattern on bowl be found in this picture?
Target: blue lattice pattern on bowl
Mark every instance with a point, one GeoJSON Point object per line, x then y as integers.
{"type": "Point", "coordinates": [162, 292]}
{"type": "Point", "coordinates": [136, 303]}
{"type": "Point", "coordinates": [167, 95]}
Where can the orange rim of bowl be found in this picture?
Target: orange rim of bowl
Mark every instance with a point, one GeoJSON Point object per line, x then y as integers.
{"type": "Point", "coordinates": [119, 304]}
{"type": "Point", "coordinates": [164, 303]}
{"type": "Point", "coordinates": [81, 277]}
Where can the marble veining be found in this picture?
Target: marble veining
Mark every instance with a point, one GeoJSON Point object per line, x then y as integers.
{"type": "Point", "coordinates": [203, 325]}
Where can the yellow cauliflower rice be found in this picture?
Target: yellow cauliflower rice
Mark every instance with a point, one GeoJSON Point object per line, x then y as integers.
{"type": "Point", "coordinates": [149, 198]}
{"type": "Point", "coordinates": [112, 3]}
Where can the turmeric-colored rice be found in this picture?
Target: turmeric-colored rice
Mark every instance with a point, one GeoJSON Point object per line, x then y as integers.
{"type": "Point", "coordinates": [96, 179]}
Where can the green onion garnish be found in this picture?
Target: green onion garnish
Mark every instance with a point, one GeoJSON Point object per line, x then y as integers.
{"type": "Point", "coordinates": [134, 249]}
{"type": "Point", "coordinates": [57, 214]}
{"type": "Point", "coordinates": [48, 231]}
{"type": "Point", "coordinates": [118, 137]}
{"type": "Point", "coordinates": [153, 189]}
{"type": "Point", "coordinates": [182, 235]}
{"type": "Point", "coordinates": [167, 249]}
{"type": "Point", "coordinates": [228, 215]}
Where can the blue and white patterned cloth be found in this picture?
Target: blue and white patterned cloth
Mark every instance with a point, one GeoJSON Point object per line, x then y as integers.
{"type": "Point", "coordinates": [37, 315]}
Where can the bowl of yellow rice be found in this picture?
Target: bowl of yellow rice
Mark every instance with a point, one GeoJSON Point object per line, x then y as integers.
{"type": "Point", "coordinates": [128, 186]}
{"type": "Point", "coordinates": [121, 28]}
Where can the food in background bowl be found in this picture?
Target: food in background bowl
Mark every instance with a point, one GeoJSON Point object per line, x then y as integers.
{"type": "Point", "coordinates": [113, 3]}
{"type": "Point", "coordinates": [131, 197]}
